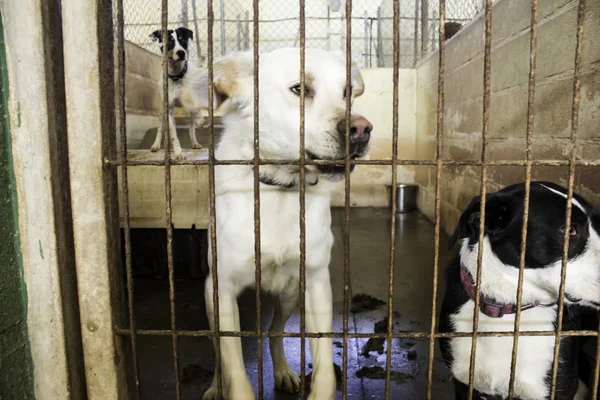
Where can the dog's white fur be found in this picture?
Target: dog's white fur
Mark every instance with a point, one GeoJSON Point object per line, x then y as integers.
{"type": "Point", "coordinates": [535, 354]}
{"type": "Point", "coordinates": [190, 92]}
{"type": "Point", "coordinates": [279, 207]}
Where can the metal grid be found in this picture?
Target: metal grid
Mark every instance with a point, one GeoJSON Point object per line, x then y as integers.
{"type": "Point", "coordinates": [439, 162]}
{"type": "Point", "coordinates": [373, 29]}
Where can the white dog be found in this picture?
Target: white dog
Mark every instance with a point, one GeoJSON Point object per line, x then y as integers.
{"type": "Point", "coordinates": [187, 88]}
{"type": "Point", "coordinates": [279, 88]}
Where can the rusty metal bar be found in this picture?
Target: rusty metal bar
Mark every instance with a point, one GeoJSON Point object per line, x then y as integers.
{"type": "Point", "coordinates": [596, 368]}
{"type": "Point", "coordinates": [487, 61]}
{"type": "Point", "coordinates": [256, 158]}
{"type": "Point", "coordinates": [529, 133]}
{"type": "Point", "coordinates": [395, 335]}
{"type": "Point", "coordinates": [395, 72]}
{"type": "Point", "coordinates": [211, 197]}
{"type": "Point", "coordinates": [573, 138]}
{"type": "Point", "coordinates": [168, 194]}
{"type": "Point", "coordinates": [125, 187]}
{"type": "Point", "coordinates": [475, 163]}
{"type": "Point", "coordinates": [302, 222]}
{"type": "Point", "coordinates": [438, 183]}
{"type": "Point", "coordinates": [346, 224]}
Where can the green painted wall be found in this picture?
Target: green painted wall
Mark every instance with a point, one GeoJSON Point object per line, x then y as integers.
{"type": "Point", "coordinates": [16, 370]}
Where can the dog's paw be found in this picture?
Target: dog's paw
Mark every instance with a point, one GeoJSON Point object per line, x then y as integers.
{"type": "Point", "coordinates": [323, 389]}
{"type": "Point", "coordinates": [287, 380]}
{"type": "Point", "coordinates": [196, 146]}
{"type": "Point", "coordinates": [212, 394]}
{"type": "Point", "coordinates": [180, 156]}
{"type": "Point", "coordinates": [155, 148]}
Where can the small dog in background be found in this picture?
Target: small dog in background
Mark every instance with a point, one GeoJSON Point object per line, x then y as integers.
{"type": "Point", "coordinates": [187, 87]}
{"type": "Point", "coordinates": [541, 282]}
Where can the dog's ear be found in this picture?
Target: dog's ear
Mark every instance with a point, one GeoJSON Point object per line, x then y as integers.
{"type": "Point", "coordinates": [499, 213]}
{"type": "Point", "coordinates": [156, 36]}
{"type": "Point", "coordinates": [229, 74]}
{"type": "Point", "coordinates": [185, 33]}
{"type": "Point", "coordinates": [358, 86]}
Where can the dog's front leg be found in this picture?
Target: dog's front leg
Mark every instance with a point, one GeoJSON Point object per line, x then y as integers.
{"type": "Point", "coordinates": [159, 135]}
{"type": "Point", "coordinates": [193, 140]}
{"type": "Point", "coordinates": [175, 145]}
{"type": "Point", "coordinates": [235, 383]}
{"type": "Point", "coordinates": [319, 317]}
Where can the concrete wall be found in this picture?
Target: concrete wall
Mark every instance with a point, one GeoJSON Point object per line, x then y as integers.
{"type": "Point", "coordinates": [16, 369]}
{"type": "Point", "coordinates": [508, 110]}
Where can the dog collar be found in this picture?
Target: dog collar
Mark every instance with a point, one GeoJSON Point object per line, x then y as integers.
{"type": "Point", "coordinates": [180, 75]}
{"type": "Point", "coordinates": [487, 305]}
{"type": "Point", "coordinates": [269, 180]}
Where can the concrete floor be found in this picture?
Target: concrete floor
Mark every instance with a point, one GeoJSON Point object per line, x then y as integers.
{"type": "Point", "coordinates": [369, 265]}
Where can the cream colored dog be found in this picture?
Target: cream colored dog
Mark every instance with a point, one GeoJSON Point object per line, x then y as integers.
{"type": "Point", "coordinates": [279, 121]}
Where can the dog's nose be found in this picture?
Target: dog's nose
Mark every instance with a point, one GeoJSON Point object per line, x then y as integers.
{"type": "Point", "coordinates": [181, 54]}
{"type": "Point", "coordinates": [360, 129]}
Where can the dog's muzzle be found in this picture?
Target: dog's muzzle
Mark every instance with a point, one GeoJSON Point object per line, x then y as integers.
{"type": "Point", "coordinates": [359, 136]}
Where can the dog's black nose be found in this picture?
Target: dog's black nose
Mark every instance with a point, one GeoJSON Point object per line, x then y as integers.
{"type": "Point", "coordinates": [181, 54]}
{"type": "Point", "coordinates": [360, 129]}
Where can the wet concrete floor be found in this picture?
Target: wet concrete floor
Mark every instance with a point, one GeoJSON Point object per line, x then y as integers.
{"type": "Point", "coordinates": [369, 275]}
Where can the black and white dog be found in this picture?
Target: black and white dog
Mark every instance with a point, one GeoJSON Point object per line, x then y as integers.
{"type": "Point", "coordinates": [541, 280]}
{"type": "Point", "coordinates": [187, 87]}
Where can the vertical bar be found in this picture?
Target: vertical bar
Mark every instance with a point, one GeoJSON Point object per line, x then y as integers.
{"type": "Point", "coordinates": [366, 39]}
{"type": "Point", "coordinates": [257, 203]}
{"type": "Point", "coordinates": [573, 138]}
{"type": "Point", "coordinates": [302, 195]}
{"type": "Point", "coordinates": [239, 32]}
{"type": "Point", "coordinates": [597, 367]}
{"type": "Point", "coordinates": [211, 196]}
{"type": "Point", "coordinates": [125, 186]}
{"type": "Point", "coordinates": [425, 26]}
{"type": "Point", "coordinates": [347, 198]}
{"type": "Point", "coordinates": [487, 65]}
{"type": "Point", "coordinates": [416, 38]}
{"type": "Point", "coordinates": [530, 114]}
{"type": "Point", "coordinates": [438, 182]}
{"type": "Point", "coordinates": [197, 32]}
{"type": "Point", "coordinates": [380, 53]}
{"type": "Point", "coordinates": [396, 63]}
{"type": "Point", "coordinates": [184, 13]}
{"type": "Point", "coordinates": [223, 44]}
{"type": "Point", "coordinates": [168, 194]}
{"type": "Point", "coordinates": [247, 36]}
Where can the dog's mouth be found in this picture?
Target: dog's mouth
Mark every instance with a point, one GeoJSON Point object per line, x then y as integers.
{"type": "Point", "coordinates": [333, 168]}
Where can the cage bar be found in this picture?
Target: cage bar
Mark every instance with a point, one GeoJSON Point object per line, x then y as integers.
{"type": "Point", "coordinates": [211, 194]}
{"type": "Point", "coordinates": [571, 183]}
{"type": "Point", "coordinates": [529, 133]}
{"type": "Point", "coordinates": [487, 60]}
{"type": "Point", "coordinates": [438, 183]}
{"type": "Point", "coordinates": [168, 194]}
{"type": "Point", "coordinates": [125, 182]}
{"type": "Point", "coordinates": [256, 158]}
{"type": "Point", "coordinates": [395, 72]}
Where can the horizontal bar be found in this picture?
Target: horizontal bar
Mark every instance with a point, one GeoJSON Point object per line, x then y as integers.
{"type": "Point", "coordinates": [396, 335]}
{"type": "Point", "coordinates": [476, 163]}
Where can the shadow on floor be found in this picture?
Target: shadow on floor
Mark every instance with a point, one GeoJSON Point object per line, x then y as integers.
{"type": "Point", "coordinates": [369, 274]}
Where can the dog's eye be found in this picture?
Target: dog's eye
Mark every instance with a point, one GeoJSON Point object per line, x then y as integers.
{"type": "Point", "coordinates": [572, 230]}
{"type": "Point", "coordinates": [308, 92]}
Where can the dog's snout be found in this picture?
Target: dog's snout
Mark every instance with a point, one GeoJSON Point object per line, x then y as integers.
{"type": "Point", "coordinates": [181, 54]}
{"type": "Point", "coordinates": [360, 129]}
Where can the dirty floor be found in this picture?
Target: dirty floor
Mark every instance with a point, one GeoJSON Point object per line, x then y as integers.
{"type": "Point", "coordinates": [369, 269]}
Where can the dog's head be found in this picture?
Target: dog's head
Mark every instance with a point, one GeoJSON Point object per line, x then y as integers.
{"type": "Point", "coordinates": [279, 103]}
{"type": "Point", "coordinates": [545, 238]}
{"type": "Point", "coordinates": [177, 42]}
